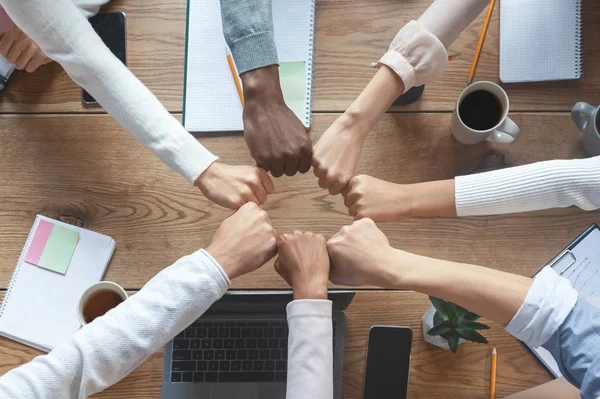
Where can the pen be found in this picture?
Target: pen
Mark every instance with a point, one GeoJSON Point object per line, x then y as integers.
{"type": "Point", "coordinates": [234, 74]}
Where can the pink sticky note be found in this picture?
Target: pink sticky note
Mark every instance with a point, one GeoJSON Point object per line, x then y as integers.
{"type": "Point", "coordinates": [40, 238]}
{"type": "Point", "coordinates": [5, 22]}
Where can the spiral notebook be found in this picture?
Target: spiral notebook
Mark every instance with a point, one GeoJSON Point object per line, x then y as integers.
{"type": "Point", "coordinates": [211, 100]}
{"type": "Point", "coordinates": [40, 306]}
{"type": "Point", "coordinates": [540, 40]}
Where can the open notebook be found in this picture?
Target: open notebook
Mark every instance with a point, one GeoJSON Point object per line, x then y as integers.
{"type": "Point", "coordinates": [540, 40]}
{"type": "Point", "coordinates": [580, 263]}
{"type": "Point", "coordinates": [40, 306]}
{"type": "Point", "coordinates": [211, 101]}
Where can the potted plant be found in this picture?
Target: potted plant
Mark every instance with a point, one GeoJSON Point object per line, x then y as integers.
{"type": "Point", "coordinates": [447, 325]}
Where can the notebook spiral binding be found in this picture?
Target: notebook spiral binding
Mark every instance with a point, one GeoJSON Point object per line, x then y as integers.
{"type": "Point", "coordinates": [578, 44]}
{"type": "Point", "coordinates": [309, 71]}
{"type": "Point", "coordinates": [19, 264]}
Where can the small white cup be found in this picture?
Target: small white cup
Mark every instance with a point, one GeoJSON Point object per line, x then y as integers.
{"type": "Point", "coordinates": [101, 286]}
{"type": "Point", "coordinates": [505, 131]}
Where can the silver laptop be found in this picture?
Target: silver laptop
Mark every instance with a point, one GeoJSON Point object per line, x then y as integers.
{"type": "Point", "coordinates": [238, 349]}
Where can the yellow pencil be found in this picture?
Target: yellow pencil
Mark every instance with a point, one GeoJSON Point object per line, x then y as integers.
{"type": "Point", "coordinates": [234, 74]}
{"type": "Point", "coordinates": [486, 23]}
{"type": "Point", "coordinates": [493, 374]}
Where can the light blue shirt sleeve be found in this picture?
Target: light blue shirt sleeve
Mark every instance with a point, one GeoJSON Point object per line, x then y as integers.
{"type": "Point", "coordinates": [554, 317]}
{"type": "Point", "coordinates": [576, 348]}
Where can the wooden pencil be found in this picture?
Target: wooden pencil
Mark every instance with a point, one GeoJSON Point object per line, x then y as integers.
{"type": "Point", "coordinates": [486, 23]}
{"type": "Point", "coordinates": [493, 374]}
{"type": "Point", "coordinates": [234, 74]}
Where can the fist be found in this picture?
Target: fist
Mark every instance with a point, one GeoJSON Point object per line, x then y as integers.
{"type": "Point", "coordinates": [360, 255]}
{"type": "Point", "coordinates": [382, 201]}
{"type": "Point", "coordinates": [20, 50]}
{"type": "Point", "coordinates": [244, 241]}
{"type": "Point", "coordinates": [304, 264]}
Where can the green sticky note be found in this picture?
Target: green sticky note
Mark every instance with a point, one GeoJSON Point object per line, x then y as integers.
{"type": "Point", "coordinates": [59, 249]}
{"type": "Point", "coordinates": [292, 76]}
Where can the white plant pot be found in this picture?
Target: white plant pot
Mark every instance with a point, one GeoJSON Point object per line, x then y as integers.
{"type": "Point", "coordinates": [436, 340]}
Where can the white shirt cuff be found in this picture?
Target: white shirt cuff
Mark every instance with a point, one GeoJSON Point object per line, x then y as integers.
{"type": "Point", "coordinates": [309, 308]}
{"type": "Point", "coordinates": [548, 303]}
{"type": "Point", "coordinates": [416, 55]}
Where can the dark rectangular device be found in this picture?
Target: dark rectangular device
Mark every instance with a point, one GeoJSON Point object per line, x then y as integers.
{"type": "Point", "coordinates": [110, 26]}
{"type": "Point", "coordinates": [388, 363]}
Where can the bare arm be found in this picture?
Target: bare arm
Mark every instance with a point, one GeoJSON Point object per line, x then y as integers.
{"type": "Point", "coordinates": [555, 389]}
{"type": "Point", "coordinates": [416, 56]}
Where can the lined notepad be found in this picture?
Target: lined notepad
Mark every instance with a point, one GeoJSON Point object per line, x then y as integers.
{"type": "Point", "coordinates": [540, 40]}
{"type": "Point", "coordinates": [40, 306]}
{"type": "Point", "coordinates": [211, 102]}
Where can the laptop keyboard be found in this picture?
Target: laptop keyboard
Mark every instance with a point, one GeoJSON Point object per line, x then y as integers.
{"type": "Point", "coordinates": [231, 351]}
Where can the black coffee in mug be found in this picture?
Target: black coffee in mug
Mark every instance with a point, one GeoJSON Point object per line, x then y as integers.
{"type": "Point", "coordinates": [480, 110]}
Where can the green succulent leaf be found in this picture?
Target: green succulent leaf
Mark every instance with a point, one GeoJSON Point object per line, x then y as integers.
{"type": "Point", "coordinates": [471, 335]}
{"type": "Point", "coordinates": [473, 325]}
{"type": "Point", "coordinates": [440, 329]}
{"type": "Point", "coordinates": [471, 316]}
{"type": "Point", "coordinates": [442, 307]}
{"type": "Point", "coordinates": [453, 341]}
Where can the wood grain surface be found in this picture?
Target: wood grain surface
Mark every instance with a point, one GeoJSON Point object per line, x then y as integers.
{"type": "Point", "coordinates": [434, 373]}
{"type": "Point", "coordinates": [350, 34]}
{"type": "Point", "coordinates": [87, 170]}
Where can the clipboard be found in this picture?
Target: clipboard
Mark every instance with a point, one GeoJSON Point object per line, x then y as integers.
{"type": "Point", "coordinates": [562, 263]}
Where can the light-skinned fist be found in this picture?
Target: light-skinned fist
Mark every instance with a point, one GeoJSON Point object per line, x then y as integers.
{"type": "Point", "coordinates": [20, 50]}
{"type": "Point", "coordinates": [382, 201]}
{"type": "Point", "coordinates": [336, 154]}
{"type": "Point", "coordinates": [303, 263]}
{"type": "Point", "coordinates": [361, 255]}
{"type": "Point", "coordinates": [244, 241]}
{"type": "Point", "coordinates": [233, 186]}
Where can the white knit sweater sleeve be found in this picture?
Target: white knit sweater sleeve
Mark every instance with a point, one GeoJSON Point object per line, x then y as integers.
{"type": "Point", "coordinates": [64, 34]}
{"type": "Point", "coordinates": [542, 185]}
{"type": "Point", "coordinates": [89, 8]}
{"type": "Point", "coordinates": [310, 350]}
{"type": "Point", "coordinates": [112, 346]}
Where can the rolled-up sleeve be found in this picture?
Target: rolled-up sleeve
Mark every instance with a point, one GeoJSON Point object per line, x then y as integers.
{"type": "Point", "coordinates": [547, 304]}
{"type": "Point", "coordinates": [554, 317]}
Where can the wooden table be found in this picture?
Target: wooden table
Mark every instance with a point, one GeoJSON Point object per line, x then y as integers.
{"type": "Point", "coordinates": [76, 164]}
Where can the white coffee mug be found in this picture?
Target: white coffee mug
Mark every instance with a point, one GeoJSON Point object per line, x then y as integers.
{"type": "Point", "coordinates": [505, 131]}
{"type": "Point", "coordinates": [101, 286]}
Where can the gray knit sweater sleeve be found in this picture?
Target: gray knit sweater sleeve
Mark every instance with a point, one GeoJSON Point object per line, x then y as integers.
{"type": "Point", "coordinates": [248, 28]}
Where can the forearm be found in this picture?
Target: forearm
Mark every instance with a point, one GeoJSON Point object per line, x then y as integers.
{"type": "Point", "coordinates": [248, 30]}
{"type": "Point", "coordinates": [372, 103]}
{"type": "Point", "coordinates": [89, 8]}
{"type": "Point", "coordinates": [106, 350]}
{"type": "Point", "coordinates": [432, 199]}
{"type": "Point", "coordinates": [62, 32]}
{"type": "Point", "coordinates": [310, 350]}
{"type": "Point", "coordinates": [542, 185]}
{"type": "Point", "coordinates": [446, 19]}
{"type": "Point", "coordinates": [490, 293]}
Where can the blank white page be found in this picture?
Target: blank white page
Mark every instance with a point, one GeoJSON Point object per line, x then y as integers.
{"type": "Point", "coordinates": [540, 40]}
{"type": "Point", "coordinates": [211, 101]}
{"type": "Point", "coordinates": [40, 307]}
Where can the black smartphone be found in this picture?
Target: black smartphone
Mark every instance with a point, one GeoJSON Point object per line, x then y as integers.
{"type": "Point", "coordinates": [111, 28]}
{"type": "Point", "coordinates": [388, 363]}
